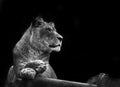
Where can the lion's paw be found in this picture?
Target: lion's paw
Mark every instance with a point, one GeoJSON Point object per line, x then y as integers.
{"type": "Point", "coordinates": [27, 73]}
{"type": "Point", "coordinates": [38, 65]}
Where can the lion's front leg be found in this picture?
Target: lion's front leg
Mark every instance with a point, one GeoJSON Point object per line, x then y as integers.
{"type": "Point", "coordinates": [32, 68]}
{"type": "Point", "coordinates": [38, 65]}
{"type": "Point", "coordinates": [27, 73]}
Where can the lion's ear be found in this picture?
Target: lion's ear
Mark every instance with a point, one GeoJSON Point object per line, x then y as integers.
{"type": "Point", "coordinates": [37, 22]}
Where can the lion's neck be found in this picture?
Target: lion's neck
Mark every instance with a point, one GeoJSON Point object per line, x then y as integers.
{"type": "Point", "coordinates": [31, 54]}
{"type": "Point", "coordinates": [36, 54]}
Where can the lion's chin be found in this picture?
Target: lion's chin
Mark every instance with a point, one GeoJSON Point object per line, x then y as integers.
{"type": "Point", "coordinates": [56, 48]}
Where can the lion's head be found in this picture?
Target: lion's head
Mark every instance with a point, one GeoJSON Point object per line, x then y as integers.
{"type": "Point", "coordinates": [45, 36]}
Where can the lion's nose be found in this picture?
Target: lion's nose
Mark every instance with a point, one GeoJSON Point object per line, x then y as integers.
{"type": "Point", "coordinates": [60, 38]}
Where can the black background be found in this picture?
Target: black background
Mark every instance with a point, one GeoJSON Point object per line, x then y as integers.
{"type": "Point", "coordinates": [90, 31]}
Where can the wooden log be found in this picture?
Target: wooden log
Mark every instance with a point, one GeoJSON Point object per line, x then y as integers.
{"type": "Point", "coordinates": [48, 82]}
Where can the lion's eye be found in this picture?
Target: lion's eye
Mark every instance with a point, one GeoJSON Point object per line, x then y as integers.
{"type": "Point", "coordinates": [49, 29]}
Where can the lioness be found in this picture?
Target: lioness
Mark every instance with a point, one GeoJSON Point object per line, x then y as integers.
{"type": "Point", "coordinates": [31, 53]}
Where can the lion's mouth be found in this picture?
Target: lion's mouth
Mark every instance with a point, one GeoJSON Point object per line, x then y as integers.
{"type": "Point", "coordinates": [54, 46]}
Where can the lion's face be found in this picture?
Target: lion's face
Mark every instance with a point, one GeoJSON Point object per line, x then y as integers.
{"type": "Point", "coordinates": [47, 37]}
